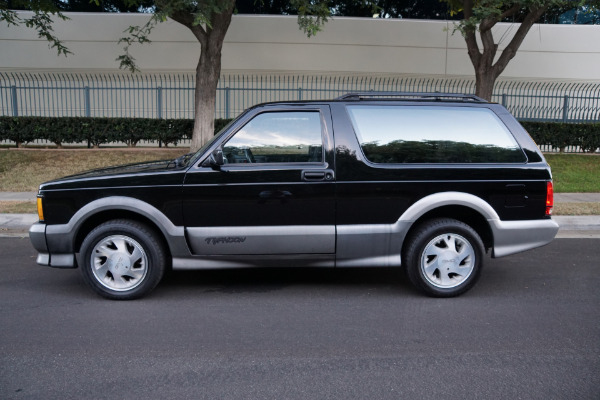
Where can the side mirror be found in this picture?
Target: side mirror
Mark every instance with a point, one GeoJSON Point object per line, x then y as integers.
{"type": "Point", "coordinates": [215, 160]}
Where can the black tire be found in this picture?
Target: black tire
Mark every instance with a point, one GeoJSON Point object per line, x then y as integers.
{"type": "Point", "coordinates": [444, 257]}
{"type": "Point", "coordinates": [122, 259]}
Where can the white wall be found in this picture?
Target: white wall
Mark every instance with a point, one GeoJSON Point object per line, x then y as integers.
{"type": "Point", "coordinates": [274, 44]}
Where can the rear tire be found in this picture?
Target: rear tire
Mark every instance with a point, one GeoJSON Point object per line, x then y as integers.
{"type": "Point", "coordinates": [122, 259]}
{"type": "Point", "coordinates": [444, 257]}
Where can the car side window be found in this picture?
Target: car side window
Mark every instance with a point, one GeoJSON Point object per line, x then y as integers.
{"type": "Point", "coordinates": [416, 134]}
{"type": "Point", "coordinates": [277, 137]}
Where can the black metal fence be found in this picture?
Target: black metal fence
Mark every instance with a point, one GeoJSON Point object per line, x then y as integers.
{"type": "Point", "coordinates": [172, 95]}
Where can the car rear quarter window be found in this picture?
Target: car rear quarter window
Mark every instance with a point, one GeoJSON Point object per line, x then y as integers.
{"type": "Point", "coordinates": [430, 134]}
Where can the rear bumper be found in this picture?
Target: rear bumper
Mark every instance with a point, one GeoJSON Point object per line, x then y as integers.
{"type": "Point", "coordinates": [512, 237]}
{"type": "Point", "coordinates": [46, 257]}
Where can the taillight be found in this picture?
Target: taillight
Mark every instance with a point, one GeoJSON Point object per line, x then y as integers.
{"type": "Point", "coordinates": [549, 198]}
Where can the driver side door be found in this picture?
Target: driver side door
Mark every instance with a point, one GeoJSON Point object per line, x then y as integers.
{"type": "Point", "coordinates": [274, 194]}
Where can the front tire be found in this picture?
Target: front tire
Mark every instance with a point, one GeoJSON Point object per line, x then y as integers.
{"type": "Point", "coordinates": [122, 259]}
{"type": "Point", "coordinates": [444, 257]}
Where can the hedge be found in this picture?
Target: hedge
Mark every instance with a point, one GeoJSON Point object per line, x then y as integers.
{"type": "Point", "coordinates": [560, 135]}
{"type": "Point", "coordinates": [98, 131]}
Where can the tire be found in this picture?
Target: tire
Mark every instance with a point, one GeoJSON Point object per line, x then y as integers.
{"type": "Point", "coordinates": [122, 259]}
{"type": "Point", "coordinates": [444, 257]}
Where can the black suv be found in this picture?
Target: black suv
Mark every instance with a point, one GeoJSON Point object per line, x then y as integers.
{"type": "Point", "coordinates": [428, 181]}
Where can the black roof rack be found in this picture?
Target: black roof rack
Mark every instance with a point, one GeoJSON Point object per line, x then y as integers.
{"type": "Point", "coordinates": [436, 96]}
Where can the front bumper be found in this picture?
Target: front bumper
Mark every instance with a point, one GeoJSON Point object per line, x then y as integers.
{"type": "Point", "coordinates": [46, 257]}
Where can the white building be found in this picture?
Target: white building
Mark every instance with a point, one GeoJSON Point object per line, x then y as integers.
{"type": "Point", "coordinates": [271, 58]}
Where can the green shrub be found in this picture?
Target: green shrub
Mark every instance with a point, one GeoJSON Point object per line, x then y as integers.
{"type": "Point", "coordinates": [590, 140]}
{"type": "Point", "coordinates": [98, 131]}
{"type": "Point", "coordinates": [18, 130]}
{"type": "Point", "coordinates": [561, 135]}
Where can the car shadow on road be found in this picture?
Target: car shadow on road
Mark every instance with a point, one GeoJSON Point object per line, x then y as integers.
{"type": "Point", "coordinates": [262, 280]}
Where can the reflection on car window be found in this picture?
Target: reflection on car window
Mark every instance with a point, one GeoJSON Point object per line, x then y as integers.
{"type": "Point", "coordinates": [414, 134]}
{"type": "Point", "coordinates": [277, 137]}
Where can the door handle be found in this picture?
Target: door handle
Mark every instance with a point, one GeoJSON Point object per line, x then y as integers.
{"type": "Point", "coordinates": [312, 175]}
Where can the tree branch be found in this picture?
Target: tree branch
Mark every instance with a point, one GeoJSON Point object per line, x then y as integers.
{"type": "Point", "coordinates": [469, 35]}
{"type": "Point", "coordinates": [510, 12]}
{"type": "Point", "coordinates": [187, 19]}
{"type": "Point", "coordinates": [489, 47]}
{"type": "Point", "coordinates": [511, 49]}
{"type": "Point", "coordinates": [488, 23]}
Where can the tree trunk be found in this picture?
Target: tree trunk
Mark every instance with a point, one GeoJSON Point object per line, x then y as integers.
{"type": "Point", "coordinates": [207, 79]}
{"type": "Point", "coordinates": [484, 84]}
{"type": "Point", "coordinates": [211, 37]}
{"type": "Point", "coordinates": [207, 72]}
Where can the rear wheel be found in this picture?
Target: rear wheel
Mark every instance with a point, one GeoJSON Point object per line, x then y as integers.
{"type": "Point", "coordinates": [444, 257]}
{"type": "Point", "coordinates": [122, 259]}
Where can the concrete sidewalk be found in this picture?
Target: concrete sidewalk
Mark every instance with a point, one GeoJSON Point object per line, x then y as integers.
{"type": "Point", "coordinates": [18, 196]}
{"type": "Point", "coordinates": [577, 197]}
{"type": "Point", "coordinates": [570, 226]}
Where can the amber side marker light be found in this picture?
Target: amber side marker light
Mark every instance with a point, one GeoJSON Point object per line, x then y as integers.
{"type": "Point", "coordinates": [40, 209]}
{"type": "Point", "coordinates": [549, 198]}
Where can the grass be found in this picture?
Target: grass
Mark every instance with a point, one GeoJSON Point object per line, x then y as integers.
{"type": "Point", "coordinates": [575, 173]}
{"type": "Point", "coordinates": [576, 209]}
{"type": "Point", "coordinates": [24, 170]}
{"type": "Point", "coordinates": [18, 207]}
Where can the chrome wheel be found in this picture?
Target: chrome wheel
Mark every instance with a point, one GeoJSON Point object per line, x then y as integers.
{"type": "Point", "coordinates": [447, 260]}
{"type": "Point", "coordinates": [443, 257]}
{"type": "Point", "coordinates": [119, 263]}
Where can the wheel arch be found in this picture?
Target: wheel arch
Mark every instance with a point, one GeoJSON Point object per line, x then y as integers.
{"type": "Point", "coordinates": [463, 207]}
{"type": "Point", "coordinates": [69, 237]}
{"type": "Point", "coordinates": [93, 220]}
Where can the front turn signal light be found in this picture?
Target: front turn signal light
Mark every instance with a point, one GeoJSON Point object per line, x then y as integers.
{"type": "Point", "coordinates": [40, 209]}
{"type": "Point", "coordinates": [549, 198]}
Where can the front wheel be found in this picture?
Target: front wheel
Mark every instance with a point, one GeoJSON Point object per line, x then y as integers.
{"type": "Point", "coordinates": [122, 259]}
{"type": "Point", "coordinates": [444, 257]}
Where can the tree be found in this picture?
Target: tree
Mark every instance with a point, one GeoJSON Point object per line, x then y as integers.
{"type": "Point", "coordinates": [417, 9]}
{"type": "Point", "coordinates": [313, 14]}
{"type": "Point", "coordinates": [208, 20]}
{"type": "Point", "coordinates": [481, 16]}
{"type": "Point", "coordinates": [477, 16]}
{"type": "Point", "coordinates": [273, 7]}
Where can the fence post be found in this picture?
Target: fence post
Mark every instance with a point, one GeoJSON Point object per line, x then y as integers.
{"type": "Point", "coordinates": [86, 99]}
{"type": "Point", "coordinates": [13, 95]}
{"type": "Point", "coordinates": [566, 108]}
{"type": "Point", "coordinates": [159, 108]}
{"type": "Point", "coordinates": [227, 102]}
{"type": "Point", "coordinates": [159, 102]}
{"type": "Point", "coordinates": [299, 93]}
{"type": "Point", "coordinates": [504, 100]}
{"type": "Point", "coordinates": [88, 111]}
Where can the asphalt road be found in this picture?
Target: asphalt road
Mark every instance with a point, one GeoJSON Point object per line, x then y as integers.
{"type": "Point", "coordinates": [529, 330]}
